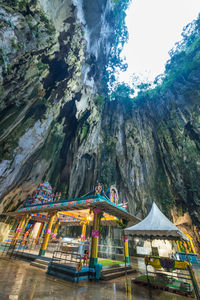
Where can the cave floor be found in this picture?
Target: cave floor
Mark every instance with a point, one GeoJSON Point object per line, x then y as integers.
{"type": "Point", "coordinates": [19, 280]}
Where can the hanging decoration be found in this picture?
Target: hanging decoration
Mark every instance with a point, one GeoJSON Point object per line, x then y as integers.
{"type": "Point", "coordinates": [166, 263]}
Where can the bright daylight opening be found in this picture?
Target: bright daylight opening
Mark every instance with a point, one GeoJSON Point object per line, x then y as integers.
{"type": "Point", "coordinates": [154, 27]}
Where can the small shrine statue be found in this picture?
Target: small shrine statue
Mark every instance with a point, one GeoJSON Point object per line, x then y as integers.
{"type": "Point", "coordinates": [112, 194]}
{"type": "Point", "coordinates": [57, 197]}
{"type": "Point", "coordinates": [98, 189]}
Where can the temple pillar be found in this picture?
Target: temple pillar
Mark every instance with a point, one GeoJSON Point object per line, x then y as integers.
{"type": "Point", "coordinates": [13, 225]}
{"type": "Point", "coordinates": [95, 238]}
{"type": "Point", "coordinates": [19, 230]}
{"type": "Point", "coordinates": [54, 234]}
{"type": "Point", "coordinates": [31, 231]}
{"type": "Point", "coordinates": [47, 234]}
{"type": "Point", "coordinates": [43, 229]}
{"type": "Point", "coordinates": [83, 232]}
{"type": "Point", "coordinates": [42, 232]}
{"type": "Point", "coordinates": [126, 251]}
{"type": "Point", "coordinates": [26, 223]}
{"type": "Point", "coordinates": [38, 233]}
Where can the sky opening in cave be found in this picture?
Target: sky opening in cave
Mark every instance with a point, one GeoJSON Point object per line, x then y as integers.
{"type": "Point", "coordinates": [154, 27]}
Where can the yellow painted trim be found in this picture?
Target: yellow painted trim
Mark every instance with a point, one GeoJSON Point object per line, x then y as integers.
{"type": "Point", "coordinates": [43, 228]}
{"type": "Point", "coordinates": [95, 240]}
{"type": "Point", "coordinates": [56, 227]}
{"type": "Point", "coordinates": [20, 226]}
{"type": "Point", "coordinates": [24, 227]}
{"type": "Point", "coordinates": [83, 232]}
{"type": "Point", "coordinates": [70, 214]}
{"type": "Point", "coordinates": [191, 242]}
{"type": "Point", "coordinates": [179, 249]}
{"type": "Point", "coordinates": [126, 249]}
{"type": "Point", "coordinates": [47, 235]}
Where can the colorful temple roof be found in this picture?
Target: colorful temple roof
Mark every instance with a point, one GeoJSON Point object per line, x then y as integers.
{"type": "Point", "coordinates": [42, 194]}
{"type": "Point", "coordinates": [82, 203]}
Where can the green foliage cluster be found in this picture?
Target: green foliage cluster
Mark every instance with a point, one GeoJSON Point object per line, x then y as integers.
{"type": "Point", "coordinates": [84, 131]}
{"type": "Point", "coordinates": [14, 43]}
{"type": "Point", "coordinates": [120, 37]}
{"type": "Point", "coordinates": [51, 28]}
{"type": "Point", "coordinates": [115, 2]}
{"type": "Point", "coordinates": [120, 32]}
{"type": "Point", "coordinates": [41, 66]}
{"type": "Point", "coordinates": [20, 4]}
{"type": "Point", "coordinates": [183, 65]}
{"type": "Point", "coordinates": [100, 101]}
{"type": "Point", "coordinates": [36, 29]}
{"type": "Point", "coordinates": [121, 92]}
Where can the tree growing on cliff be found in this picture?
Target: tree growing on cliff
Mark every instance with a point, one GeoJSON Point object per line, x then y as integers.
{"type": "Point", "coordinates": [120, 37]}
{"type": "Point", "coordinates": [122, 92]}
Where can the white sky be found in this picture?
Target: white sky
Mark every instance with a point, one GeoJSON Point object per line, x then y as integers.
{"type": "Point", "coordinates": [154, 26]}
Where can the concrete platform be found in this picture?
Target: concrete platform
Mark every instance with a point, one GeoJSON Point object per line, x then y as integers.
{"type": "Point", "coordinates": [70, 272]}
{"type": "Point", "coordinates": [20, 281]}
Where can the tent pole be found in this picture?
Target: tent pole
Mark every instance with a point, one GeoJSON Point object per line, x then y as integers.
{"type": "Point", "coordinates": [124, 256]}
{"type": "Point", "coordinates": [192, 275]}
{"type": "Point", "coordinates": [147, 276]}
{"type": "Point", "coordinates": [151, 246]}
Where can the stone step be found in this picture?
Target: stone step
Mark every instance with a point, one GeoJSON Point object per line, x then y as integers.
{"type": "Point", "coordinates": [41, 266]}
{"type": "Point", "coordinates": [117, 274]}
{"type": "Point", "coordinates": [115, 270]}
{"type": "Point", "coordinates": [40, 263]}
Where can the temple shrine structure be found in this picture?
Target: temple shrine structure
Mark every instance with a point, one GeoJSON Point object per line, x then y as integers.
{"type": "Point", "coordinates": [50, 211]}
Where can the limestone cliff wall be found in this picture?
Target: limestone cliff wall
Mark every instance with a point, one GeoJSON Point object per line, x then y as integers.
{"type": "Point", "coordinates": [50, 64]}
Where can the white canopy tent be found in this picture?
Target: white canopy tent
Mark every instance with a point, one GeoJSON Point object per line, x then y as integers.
{"type": "Point", "coordinates": [156, 225]}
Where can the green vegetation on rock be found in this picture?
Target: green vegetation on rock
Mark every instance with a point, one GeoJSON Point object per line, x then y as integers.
{"type": "Point", "coordinates": [84, 131]}
{"type": "Point", "coordinates": [100, 101]}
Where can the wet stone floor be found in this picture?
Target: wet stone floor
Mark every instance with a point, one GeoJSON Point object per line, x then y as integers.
{"type": "Point", "coordinates": [19, 280]}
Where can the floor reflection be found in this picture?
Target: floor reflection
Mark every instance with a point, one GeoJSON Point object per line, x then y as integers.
{"type": "Point", "coordinates": [20, 281]}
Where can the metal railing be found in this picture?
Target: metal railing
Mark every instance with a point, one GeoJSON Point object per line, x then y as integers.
{"type": "Point", "coordinates": [110, 251]}
{"type": "Point", "coordinates": [33, 246]}
{"type": "Point", "coordinates": [170, 276]}
{"type": "Point", "coordinates": [64, 257]}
